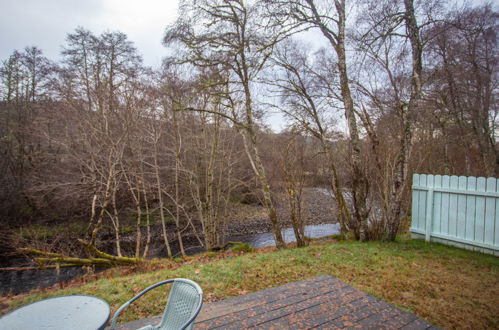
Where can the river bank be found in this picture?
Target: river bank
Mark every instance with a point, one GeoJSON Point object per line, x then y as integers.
{"type": "Point", "coordinates": [318, 208]}
{"type": "Point", "coordinates": [249, 224]}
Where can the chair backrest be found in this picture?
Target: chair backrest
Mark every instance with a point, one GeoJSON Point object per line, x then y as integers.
{"type": "Point", "coordinates": [184, 303]}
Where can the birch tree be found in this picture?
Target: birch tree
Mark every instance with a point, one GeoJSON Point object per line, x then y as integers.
{"type": "Point", "coordinates": [226, 35]}
{"type": "Point", "coordinates": [330, 19]}
{"type": "Point", "coordinates": [303, 93]}
{"type": "Point", "coordinates": [389, 26]}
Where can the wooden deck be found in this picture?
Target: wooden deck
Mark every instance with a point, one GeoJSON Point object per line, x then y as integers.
{"type": "Point", "coordinates": [321, 302]}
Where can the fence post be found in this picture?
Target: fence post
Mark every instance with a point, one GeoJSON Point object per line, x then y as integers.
{"type": "Point", "coordinates": [429, 208]}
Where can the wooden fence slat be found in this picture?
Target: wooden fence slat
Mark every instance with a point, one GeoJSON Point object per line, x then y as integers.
{"type": "Point", "coordinates": [480, 211]}
{"type": "Point", "coordinates": [470, 210]}
{"type": "Point", "coordinates": [444, 228]}
{"type": "Point", "coordinates": [437, 206]}
{"type": "Point", "coordinates": [453, 207]}
{"type": "Point", "coordinates": [429, 206]}
{"type": "Point", "coordinates": [422, 202]}
{"type": "Point", "coordinates": [415, 202]}
{"type": "Point", "coordinates": [490, 212]}
{"type": "Point", "coordinates": [496, 224]}
{"type": "Point", "coordinates": [461, 208]}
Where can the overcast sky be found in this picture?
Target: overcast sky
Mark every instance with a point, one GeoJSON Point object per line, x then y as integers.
{"type": "Point", "coordinates": [45, 23]}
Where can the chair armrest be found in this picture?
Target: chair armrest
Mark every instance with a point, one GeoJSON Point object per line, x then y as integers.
{"type": "Point", "coordinates": [125, 305]}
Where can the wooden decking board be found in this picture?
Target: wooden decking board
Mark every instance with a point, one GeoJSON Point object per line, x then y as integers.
{"type": "Point", "coordinates": [345, 312]}
{"type": "Point", "coordinates": [418, 324]}
{"type": "Point", "coordinates": [256, 317]}
{"type": "Point", "coordinates": [319, 303]}
{"type": "Point", "coordinates": [378, 319]}
{"type": "Point", "coordinates": [326, 315]}
{"type": "Point", "coordinates": [268, 294]}
{"type": "Point", "coordinates": [309, 314]}
{"type": "Point", "coordinates": [315, 315]}
{"type": "Point", "coordinates": [282, 303]}
{"type": "Point", "coordinates": [283, 296]}
{"type": "Point", "coordinates": [351, 320]}
{"type": "Point", "coordinates": [400, 320]}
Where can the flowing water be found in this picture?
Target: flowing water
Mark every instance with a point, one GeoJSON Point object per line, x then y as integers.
{"type": "Point", "coordinates": [267, 239]}
{"type": "Point", "coordinates": [17, 282]}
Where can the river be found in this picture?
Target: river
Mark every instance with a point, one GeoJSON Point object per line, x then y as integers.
{"type": "Point", "coordinates": [267, 239]}
{"type": "Point", "coordinates": [17, 282]}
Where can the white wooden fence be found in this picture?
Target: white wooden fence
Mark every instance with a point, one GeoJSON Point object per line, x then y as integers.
{"type": "Point", "coordinates": [460, 211]}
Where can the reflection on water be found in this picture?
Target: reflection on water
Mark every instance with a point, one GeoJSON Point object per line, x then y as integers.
{"type": "Point", "coordinates": [21, 281]}
{"type": "Point", "coordinates": [267, 239]}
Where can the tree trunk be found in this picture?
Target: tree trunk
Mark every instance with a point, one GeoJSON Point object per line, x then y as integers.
{"type": "Point", "coordinates": [160, 199]}
{"type": "Point", "coordinates": [408, 114]}
{"type": "Point", "coordinates": [344, 216]}
{"type": "Point", "coordinates": [148, 225]}
{"type": "Point", "coordinates": [359, 179]}
{"type": "Point", "coordinates": [257, 165]}
{"type": "Point", "coordinates": [178, 147]}
{"type": "Point", "coordinates": [268, 203]}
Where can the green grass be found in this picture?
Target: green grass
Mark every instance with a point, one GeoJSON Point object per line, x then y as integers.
{"type": "Point", "coordinates": [447, 286]}
{"type": "Point", "coordinates": [50, 231]}
{"type": "Point", "coordinates": [42, 231]}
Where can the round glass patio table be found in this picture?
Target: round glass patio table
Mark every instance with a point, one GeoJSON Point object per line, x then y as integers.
{"type": "Point", "coordinates": [66, 312]}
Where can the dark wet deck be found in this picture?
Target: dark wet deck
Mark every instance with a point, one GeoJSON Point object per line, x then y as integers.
{"type": "Point", "coordinates": [321, 302]}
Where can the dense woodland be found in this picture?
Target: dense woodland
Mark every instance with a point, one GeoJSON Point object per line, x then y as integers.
{"type": "Point", "coordinates": [386, 89]}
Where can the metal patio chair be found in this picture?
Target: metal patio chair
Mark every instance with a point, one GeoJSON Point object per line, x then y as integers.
{"type": "Point", "coordinates": [182, 308]}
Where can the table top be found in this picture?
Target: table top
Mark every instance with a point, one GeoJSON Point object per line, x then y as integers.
{"type": "Point", "coordinates": [66, 312]}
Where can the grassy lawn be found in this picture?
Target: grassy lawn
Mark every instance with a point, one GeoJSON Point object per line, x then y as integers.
{"type": "Point", "coordinates": [449, 287]}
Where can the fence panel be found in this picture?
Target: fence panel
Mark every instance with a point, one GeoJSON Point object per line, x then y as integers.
{"type": "Point", "coordinates": [460, 211]}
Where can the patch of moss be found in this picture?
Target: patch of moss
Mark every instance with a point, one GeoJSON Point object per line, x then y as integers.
{"type": "Point", "coordinates": [211, 254]}
{"type": "Point", "coordinates": [241, 247]}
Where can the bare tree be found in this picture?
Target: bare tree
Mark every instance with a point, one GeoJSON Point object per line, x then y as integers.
{"type": "Point", "coordinates": [463, 85]}
{"type": "Point", "coordinates": [387, 27]}
{"type": "Point", "coordinates": [156, 133]}
{"type": "Point", "coordinates": [292, 164]}
{"type": "Point", "coordinates": [212, 180]}
{"type": "Point", "coordinates": [100, 71]}
{"type": "Point", "coordinates": [330, 19]}
{"type": "Point", "coordinates": [25, 78]}
{"type": "Point", "coordinates": [305, 100]}
{"type": "Point", "coordinates": [225, 35]}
